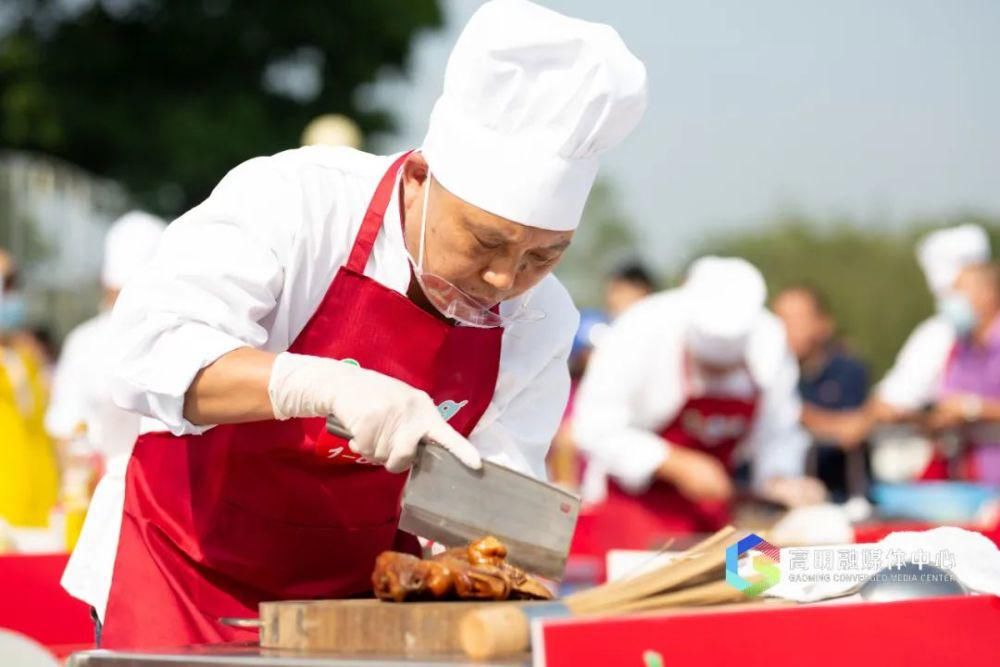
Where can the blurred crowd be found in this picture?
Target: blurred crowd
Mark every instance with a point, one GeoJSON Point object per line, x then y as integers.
{"type": "Point", "coordinates": [685, 403]}
{"type": "Point", "coordinates": [762, 403]}
{"type": "Point", "coordinates": [59, 430]}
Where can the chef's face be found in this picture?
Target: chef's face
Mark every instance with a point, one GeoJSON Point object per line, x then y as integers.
{"type": "Point", "coordinates": [488, 257]}
{"type": "Point", "coordinates": [980, 285]}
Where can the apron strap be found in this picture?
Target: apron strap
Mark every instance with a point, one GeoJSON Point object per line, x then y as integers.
{"type": "Point", "coordinates": [372, 222]}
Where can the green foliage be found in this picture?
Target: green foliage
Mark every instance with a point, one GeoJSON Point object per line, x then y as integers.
{"type": "Point", "coordinates": [870, 275]}
{"type": "Point", "coordinates": [605, 237]}
{"type": "Point", "coordinates": [167, 95]}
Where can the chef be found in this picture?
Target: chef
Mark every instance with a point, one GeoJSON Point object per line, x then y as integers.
{"type": "Point", "coordinates": [81, 402]}
{"type": "Point", "coordinates": [968, 397]}
{"type": "Point", "coordinates": [916, 374]}
{"type": "Point", "coordinates": [912, 382]}
{"type": "Point", "coordinates": [409, 295]}
{"type": "Point", "coordinates": [679, 382]}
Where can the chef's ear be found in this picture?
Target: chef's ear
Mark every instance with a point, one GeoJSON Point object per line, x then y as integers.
{"type": "Point", "coordinates": [415, 170]}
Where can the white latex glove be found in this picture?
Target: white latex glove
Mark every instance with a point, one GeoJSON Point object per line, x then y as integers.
{"type": "Point", "coordinates": [386, 416]}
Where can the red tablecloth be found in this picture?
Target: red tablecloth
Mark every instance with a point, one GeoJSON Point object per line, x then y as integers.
{"type": "Point", "coordinates": [914, 633]}
{"type": "Point", "coordinates": [33, 603]}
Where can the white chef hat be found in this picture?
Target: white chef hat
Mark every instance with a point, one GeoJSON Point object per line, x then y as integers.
{"type": "Point", "coordinates": [129, 244]}
{"type": "Point", "coordinates": [531, 98]}
{"type": "Point", "coordinates": [944, 253]}
{"type": "Point", "coordinates": [725, 300]}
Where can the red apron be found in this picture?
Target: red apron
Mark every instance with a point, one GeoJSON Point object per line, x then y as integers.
{"type": "Point", "coordinates": [216, 523]}
{"type": "Point", "coordinates": [711, 424]}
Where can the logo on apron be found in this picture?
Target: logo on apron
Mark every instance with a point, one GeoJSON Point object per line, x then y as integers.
{"type": "Point", "coordinates": [714, 429]}
{"type": "Point", "coordinates": [447, 409]}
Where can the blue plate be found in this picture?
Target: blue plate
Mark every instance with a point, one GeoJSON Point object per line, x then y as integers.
{"type": "Point", "coordinates": [940, 502]}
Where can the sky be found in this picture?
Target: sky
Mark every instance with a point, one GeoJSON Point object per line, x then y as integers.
{"type": "Point", "coordinates": [879, 110]}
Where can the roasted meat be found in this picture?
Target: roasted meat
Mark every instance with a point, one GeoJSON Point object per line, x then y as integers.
{"type": "Point", "coordinates": [478, 571]}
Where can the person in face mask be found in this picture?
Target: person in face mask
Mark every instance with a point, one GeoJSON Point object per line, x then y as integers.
{"type": "Point", "coordinates": [969, 395]}
{"type": "Point", "coordinates": [912, 382]}
{"type": "Point", "coordinates": [28, 470]}
{"type": "Point", "coordinates": [682, 381]}
{"type": "Point", "coordinates": [409, 295]}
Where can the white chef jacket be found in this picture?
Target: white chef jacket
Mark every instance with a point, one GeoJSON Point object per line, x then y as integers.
{"type": "Point", "coordinates": [915, 377]}
{"type": "Point", "coordinates": [250, 265]}
{"type": "Point", "coordinates": [80, 394]}
{"type": "Point", "coordinates": [635, 385]}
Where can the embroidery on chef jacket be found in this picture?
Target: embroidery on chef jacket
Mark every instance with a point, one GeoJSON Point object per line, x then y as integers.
{"type": "Point", "coordinates": [714, 429]}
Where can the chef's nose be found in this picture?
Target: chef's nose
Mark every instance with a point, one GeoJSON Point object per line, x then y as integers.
{"type": "Point", "coordinates": [500, 276]}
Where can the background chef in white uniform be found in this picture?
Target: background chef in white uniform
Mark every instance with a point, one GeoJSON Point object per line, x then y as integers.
{"type": "Point", "coordinates": [506, 166]}
{"type": "Point", "coordinates": [913, 381]}
{"type": "Point", "coordinates": [81, 397]}
{"type": "Point", "coordinates": [681, 383]}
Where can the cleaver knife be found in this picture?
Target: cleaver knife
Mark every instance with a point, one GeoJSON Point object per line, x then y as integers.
{"type": "Point", "coordinates": [447, 502]}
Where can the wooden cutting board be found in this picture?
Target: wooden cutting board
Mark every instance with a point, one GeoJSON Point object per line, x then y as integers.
{"type": "Point", "coordinates": [366, 626]}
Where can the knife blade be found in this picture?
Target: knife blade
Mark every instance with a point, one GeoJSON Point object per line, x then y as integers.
{"type": "Point", "coordinates": [449, 503]}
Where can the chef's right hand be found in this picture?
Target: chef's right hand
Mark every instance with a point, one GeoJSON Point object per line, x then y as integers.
{"type": "Point", "coordinates": [387, 417]}
{"type": "Point", "coordinates": [697, 475]}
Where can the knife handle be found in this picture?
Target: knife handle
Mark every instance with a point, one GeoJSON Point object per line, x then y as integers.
{"type": "Point", "coordinates": [494, 631]}
{"type": "Point", "coordinates": [335, 427]}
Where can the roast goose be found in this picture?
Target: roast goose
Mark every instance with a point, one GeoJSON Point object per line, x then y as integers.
{"type": "Point", "coordinates": [479, 571]}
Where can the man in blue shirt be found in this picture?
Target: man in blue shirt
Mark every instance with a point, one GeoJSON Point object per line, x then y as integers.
{"type": "Point", "coordinates": [831, 381]}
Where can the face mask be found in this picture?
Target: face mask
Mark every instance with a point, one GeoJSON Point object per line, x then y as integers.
{"type": "Point", "coordinates": [451, 301]}
{"type": "Point", "coordinates": [13, 311]}
{"type": "Point", "coordinates": [956, 309]}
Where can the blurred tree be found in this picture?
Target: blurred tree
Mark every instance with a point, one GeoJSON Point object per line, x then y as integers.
{"type": "Point", "coordinates": [168, 95]}
{"type": "Point", "coordinates": [876, 289]}
{"type": "Point", "coordinates": [606, 236]}
{"type": "Point", "coordinates": [19, 233]}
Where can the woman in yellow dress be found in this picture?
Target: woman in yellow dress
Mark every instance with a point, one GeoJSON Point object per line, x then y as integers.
{"type": "Point", "coordinates": [29, 475]}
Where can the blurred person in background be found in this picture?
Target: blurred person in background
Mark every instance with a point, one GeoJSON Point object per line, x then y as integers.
{"type": "Point", "coordinates": [332, 129]}
{"type": "Point", "coordinates": [28, 467]}
{"type": "Point", "coordinates": [678, 383]}
{"type": "Point", "coordinates": [95, 434]}
{"type": "Point", "coordinates": [911, 385]}
{"type": "Point", "coordinates": [831, 381]}
{"type": "Point", "coordinates": [627, 284]}
{"type": "Point", "coordinates": [564, 459]}
{"type": "Point", "coordinates": [968, 397]}
{"type": "Point", "coordinates": [914, 378]}
{"type": "Point", "coordinates": [47, 348]}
